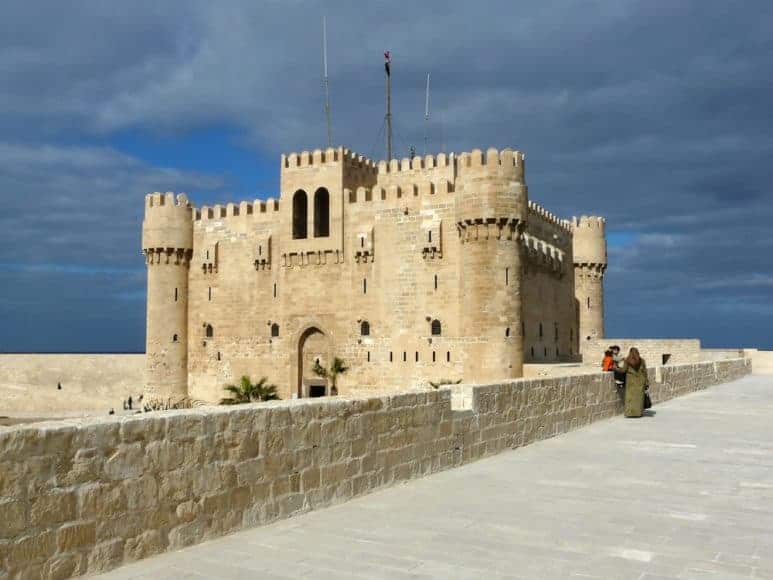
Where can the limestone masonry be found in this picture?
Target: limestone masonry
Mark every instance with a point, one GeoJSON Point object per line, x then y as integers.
{"type": "Point", "coordinates": [424, 269]}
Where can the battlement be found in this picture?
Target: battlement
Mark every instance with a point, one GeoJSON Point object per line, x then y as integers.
{"type": "Point", "coordinates": [167, 199]}
{"type": "Point", "coordinates": [539, 212]}
{"type": "Point", "coordinates": [589, 222]}
{"type": "Point", "coordinates": [328, 156]}
{"type": "Point", "coordinates": [491, 158]}
{"type": "Point", "coordinates": [417, 163]}
{"type": "Point", "coordinates": [243, 208]}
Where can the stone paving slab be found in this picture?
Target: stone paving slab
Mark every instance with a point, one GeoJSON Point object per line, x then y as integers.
{"type": "Point", "coordinates": [684, 493]}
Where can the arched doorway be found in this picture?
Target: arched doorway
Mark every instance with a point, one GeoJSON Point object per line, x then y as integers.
{"type": "Point", "coordinates": [313, 346]}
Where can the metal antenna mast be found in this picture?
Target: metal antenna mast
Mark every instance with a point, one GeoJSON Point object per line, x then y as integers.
{"type": "Point", "coordinates": [388, 118]}
{"type": "Point", "coordinates": [326, 83]}
{"type": "Point", "coordinates": [426, 116]}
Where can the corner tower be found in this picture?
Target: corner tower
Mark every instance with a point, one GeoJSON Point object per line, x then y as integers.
{"type": "Point", "coordinates": [492, 205]}
{"type": "Point", "coordinates": [167, 243]}
{"type": "Point", "coordinates": [590, 263]}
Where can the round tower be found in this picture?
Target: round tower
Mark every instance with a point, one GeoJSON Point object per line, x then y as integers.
{"type": "Point", "coordinates": [167, 243]}
{"type": "Point", "coordinates": [491, 206]}
{"type": "Point", "coordinates": [590, 262]}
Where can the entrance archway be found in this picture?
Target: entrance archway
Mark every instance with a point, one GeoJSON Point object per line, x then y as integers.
{"type": "Point", "coordinates": [313, 346]}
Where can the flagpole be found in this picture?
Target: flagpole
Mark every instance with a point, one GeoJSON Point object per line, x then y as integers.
{"type": "Point", "coordinates": [426, 116]}
{"type": "Point", "coordinates": [387, 69]}
{"type": "Point", "coordinates": [326, 83]}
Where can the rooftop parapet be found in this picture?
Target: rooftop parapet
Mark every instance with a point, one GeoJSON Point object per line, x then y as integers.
{"type": "Point", "coordinates": [329, 156]}
{"type": "Point", "coordinates": [539, 212]}
{"type": "Point", "coordinates": [236, 210]}
{"type": "Point", "coordinates": [168, 222]}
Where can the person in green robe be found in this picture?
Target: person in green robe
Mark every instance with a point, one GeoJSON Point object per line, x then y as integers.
{"type": "Point", "coordinates": [636, 383]}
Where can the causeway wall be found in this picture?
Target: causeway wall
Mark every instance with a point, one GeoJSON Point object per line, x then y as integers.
{"type": "Point", "coordinates": [90, 382]}
{"type": "Point", "coordinates": [82, 496]}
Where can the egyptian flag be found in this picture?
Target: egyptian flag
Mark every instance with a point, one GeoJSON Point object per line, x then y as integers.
{"type": "Point", "coordinates": [387, 61]}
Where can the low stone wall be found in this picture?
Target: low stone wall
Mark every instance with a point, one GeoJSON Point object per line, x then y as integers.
{"type": "Point", "coordinates": [762, 360]}
{"type": "Point", "coordinates": [679, 350]}
{"type": "Point", "coordinates": [86, 495]}
{"type": "Point", "coordinates": [90, 382]}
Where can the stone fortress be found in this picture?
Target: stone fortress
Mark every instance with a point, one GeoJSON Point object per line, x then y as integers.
{"type": "Point", "coordinates": [425, 269]}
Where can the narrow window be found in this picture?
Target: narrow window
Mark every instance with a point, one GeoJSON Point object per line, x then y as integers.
{"type": "Point", "coordinates": [218, 355]}
{"type": "Point", "coordinates": [532, 352]}
{"type": "Point", "coordinates": [368, 356]}
{"type": "Point", "coordinates": [300, 212]}
{"type": "Point", "coordinates": [362, 242]}
{"type": "Point", "coordinates": [429, 236]}
{"type": "Point", "coordinates": [274, 330]}
{"type": "Point", "coordinates": [365, 328]}
{"type": "Point", "coordinates": [174, 338]}
{"type": "Point", "coordinates": [364, 285]}
{"type": "Point", "coordinates": [405, 356]}
{"type": "Point", "coordinates": [433, 356]}
{"type": "Point", "coordinates": [436, 328]}
{"type": "Point", "coordinates": [321, 213]}
{"type": "Point", "coordinates": [448, 356]}
{"type": "Point", "coordinates": [507, 332]}
{"type": "Point", "coordinates": [175, 294]}
{"type": "Point", "coordinates": [417, 356]}
{"type": "Point", "coordinates": [588, 302]}
{"type": "Point", "coordinates": [546, 351]}
{"type": "Point", "coordinates": [556, 333]}
{"type": "Point", "coordinates": [210, 332]}
{"type": "Point", "coordinates": [540, 330]}
{"type": "Point", "coordinates": [207, 254]}
{"type": "Point", "coordinates": [435, 281]}
{"type": "Point", "coordinates": [390, 356]}
{"type": "Point", "coordinates": [507, 276]}
{"type": "Point", "coordinates": [260, 250]}
{"type": "Point", "coordinates": [274, 289]}
{"type": "Point", "coordinates": [209, 293]}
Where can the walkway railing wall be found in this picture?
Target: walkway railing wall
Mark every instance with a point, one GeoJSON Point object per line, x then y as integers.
{"type": "Point", "coordinates": [81, 496]}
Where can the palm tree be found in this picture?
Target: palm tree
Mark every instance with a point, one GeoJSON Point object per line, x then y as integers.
{"type": "Point", "coordinates": [337, 368]}
{"type": "Point", "coordinates": [246, 392]}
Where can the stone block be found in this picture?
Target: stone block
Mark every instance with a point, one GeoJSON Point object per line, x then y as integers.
{"type": "Point", "coordinates": [75, 536]}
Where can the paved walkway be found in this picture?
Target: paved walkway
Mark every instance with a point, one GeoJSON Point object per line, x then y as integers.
{"type": "Point", "coordinates": [686, 493]}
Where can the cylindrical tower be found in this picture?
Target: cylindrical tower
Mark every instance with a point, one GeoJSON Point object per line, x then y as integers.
{"type": "Point", "coordinates": [590, 262]}
{"type": "Point", "coordinates": [167, 242]}
{"type": "Point", "coordinates": [491, 210]}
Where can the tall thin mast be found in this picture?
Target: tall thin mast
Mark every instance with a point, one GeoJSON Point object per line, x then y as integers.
{"type": "Point", "coordinates": [426, 116]}
{"type": "Point", "coordinates": [388, 118]}
{"type": "Point", "coordinates": [326, 82]}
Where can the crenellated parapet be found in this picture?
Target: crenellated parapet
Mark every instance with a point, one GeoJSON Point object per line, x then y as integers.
{"type": "Point", "coordinates": [590, 243]}
{"type": "Point", "coordinates": [543, 255]}
{"type": "Point", "coordinates": [537, 212]}
{"type": "Point", "coordinates": [167, 233]}
{"type": "Point", "coordinates": [258, 209]}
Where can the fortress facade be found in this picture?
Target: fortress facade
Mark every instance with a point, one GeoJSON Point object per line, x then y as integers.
{"type": "Point", "coordinates": [429, 269]}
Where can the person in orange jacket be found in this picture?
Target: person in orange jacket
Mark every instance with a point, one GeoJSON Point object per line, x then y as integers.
{"type": "Point", "coordinates": [608, 364]}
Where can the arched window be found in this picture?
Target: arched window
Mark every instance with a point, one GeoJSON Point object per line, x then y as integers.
{"type": "Point", "coordinates": [365, 328]}
{"type": "Point", "coordinates": [300, 212]}
{"type": "Point", "coordinates": [274, 330]}
{"type": "Point", "coordinates": [507, 332]}
{"type": "Point", "coordinates": [321, 213]}
{"type": "Point", "coordinates": [174, 338]}
{"type": "Point", "coordinates": [437, 329]}
{"type": "Point", "coordinates": [209, 331]}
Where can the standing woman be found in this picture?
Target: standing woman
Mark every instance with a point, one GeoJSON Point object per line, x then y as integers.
{"type": "Point", "coordinates": [635, 383]}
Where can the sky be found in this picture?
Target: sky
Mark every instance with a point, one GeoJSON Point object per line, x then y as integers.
{"type": "Point", "coordinates": [655, 114]}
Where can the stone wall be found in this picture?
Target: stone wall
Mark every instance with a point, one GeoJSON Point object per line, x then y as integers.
{"type": "Point", "coordinates": [680, 350]}
{"type": "Point", "coordinates": [83, 496]}
{"type": "Point", "coordinates": [90, 382]}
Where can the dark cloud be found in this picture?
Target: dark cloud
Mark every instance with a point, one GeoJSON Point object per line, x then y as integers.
{"type": "Point", "coordinates": [655, 114]}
